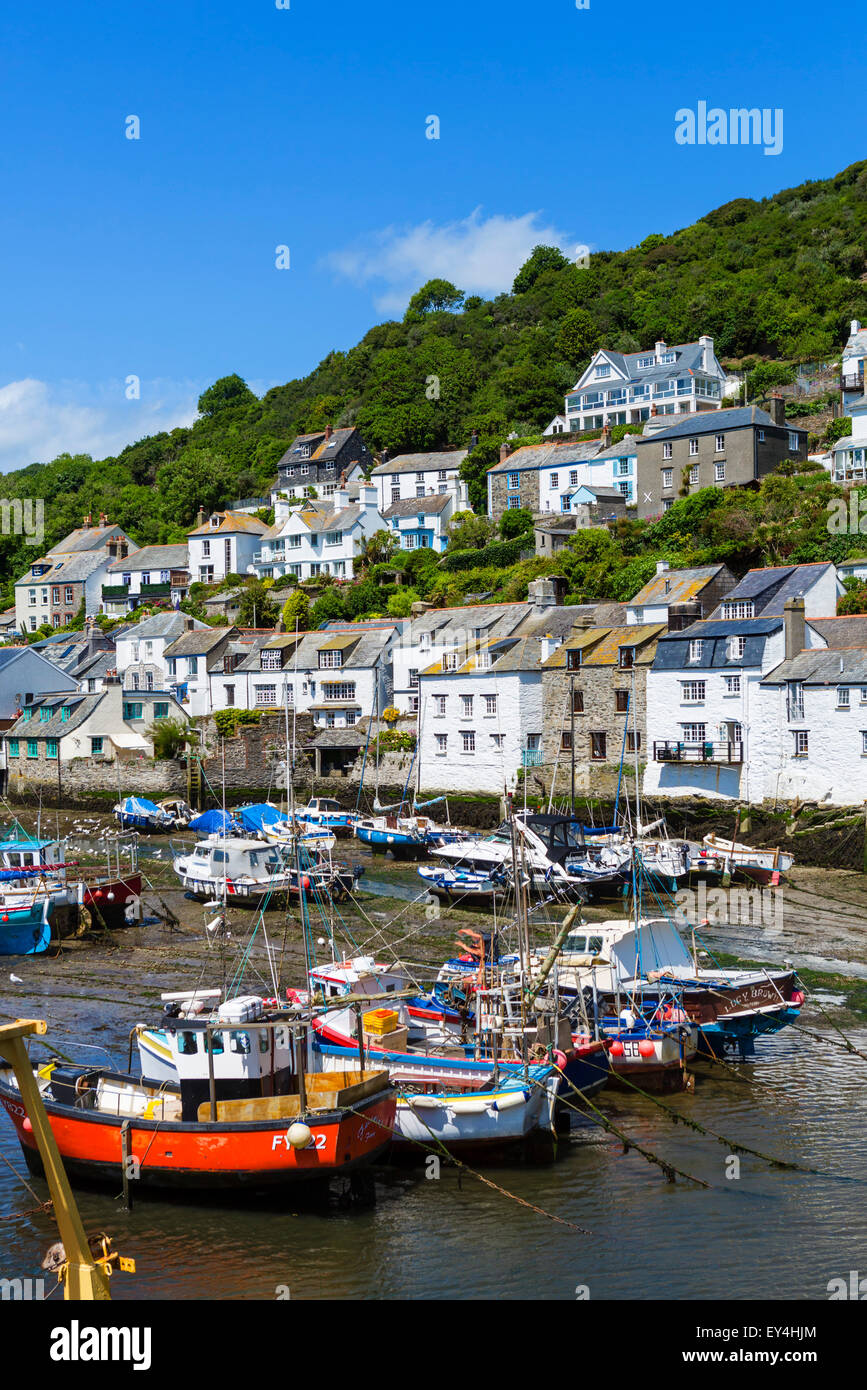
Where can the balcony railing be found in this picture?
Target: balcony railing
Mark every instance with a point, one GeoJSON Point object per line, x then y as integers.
{"type": "Point", "coordinates": [115, 591]}
{"type": "Point", "coordinates": [156, 590]}
{"type": "Point", "coordinates": [852, 382]}
{"type": "Point", "coordinates": [670, 751]}
{"type": "Point", "coordinates": [532, 757]}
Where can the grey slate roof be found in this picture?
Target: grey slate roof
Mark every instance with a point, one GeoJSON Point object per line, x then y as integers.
{"type": "Point", "coordinates": [672, 649]}
{"type": "Point", "coordinates": [535, 456]}
{"type": "Point", "coordinates": [715, 422]}
{"type": "Point", "coordinates": [90, 538]}
{"type": "Point", "coordinates": [199, 641]}
{"type": "Point", "coordinates": [65, 569]}
{"type": "Point", "coordinates": [361, 652]}
{"type": "Point", "coordinates": [56, 727]}
{"type": "Point", "coordinates": [769, 588]}
{"type": "Point", "coordinates": [424, 506]}
{"type": "Point", "coordinates": [848, 631]}
{"type": "Point", "coordinates": [167, 625]}
{"type": "Point", "coordinates": [821, 667]}
{"type": "Point", "coordinates": [153, 557]}
{"type": "Point", "coordinates": [421, 463]}
{"type": "Point", "coordinates": [687, 358]}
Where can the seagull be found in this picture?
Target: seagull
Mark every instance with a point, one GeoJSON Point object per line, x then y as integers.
{"type": "Point", "coordinates": [16, 979]}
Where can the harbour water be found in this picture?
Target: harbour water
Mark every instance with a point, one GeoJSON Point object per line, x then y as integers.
{"type": "Point", "coordinates": [756, 1231]}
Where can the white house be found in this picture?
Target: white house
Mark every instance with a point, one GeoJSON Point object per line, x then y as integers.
{"type": "Point", "coordinates": [420, 523]}
{"type": "Point", "coordinates": [416, 475]}
{"type": "Point", "coordinates": [140, 649]}
{"type": "Point", "coordinates": [154, 572]}
{"type": "Point", "coordinates": [680, 597]}
{"type": "Point", "coordinates": [319, 537]}
{"type": "Point", "coordinates": [620, 388]}
{"type": "Point", "coordinates": [189, 660]}
{"type": "Point", "coordinates": [560, 479]}
{"type": "Point", "coordinates": [224, 544]}
{"type": "Point", "coordinates": [849, 455]}
{"type": "Point", "coordinates": [852, 367]}
{"type": "Point", "coordinates": [338, 674]}
{"type": "Point", "coordinates": [71, 573]}
{"type": "Point", "coordinates": [703, 689]}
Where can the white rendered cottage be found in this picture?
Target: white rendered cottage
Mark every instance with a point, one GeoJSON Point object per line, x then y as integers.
{"type": "Point", "coordinates": [319, 537]}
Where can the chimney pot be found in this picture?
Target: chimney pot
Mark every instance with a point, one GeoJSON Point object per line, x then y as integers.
{"type": "Point", "coordinates": [328, 433]}
{"type": "Point", "coordinates": [505, 450]}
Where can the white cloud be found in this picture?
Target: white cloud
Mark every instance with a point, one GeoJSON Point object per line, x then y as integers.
{"type": "Point", "coordinates": [479, 255]}
{"type": "Point", "coordinates": [39, 420]}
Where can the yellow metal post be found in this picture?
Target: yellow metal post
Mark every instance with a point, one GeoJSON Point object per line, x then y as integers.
{"type": "Point", "coordinates": [85, 1280]}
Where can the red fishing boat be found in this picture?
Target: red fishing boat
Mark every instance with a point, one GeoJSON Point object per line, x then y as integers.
{"type": "Point", "coordinates": [248, 1110]}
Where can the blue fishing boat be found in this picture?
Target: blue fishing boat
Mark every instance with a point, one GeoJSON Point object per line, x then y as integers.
{"type": "Point", "coordinates": [137, 813]}
{"type": "Point", "coordinates": [401, 835]}
{"type": "Point", "coordinates": [325, 813]}
{"type": "Point", "coordinates": [256, 817]}
{"type": "Point", "coordinates": [25, 930]}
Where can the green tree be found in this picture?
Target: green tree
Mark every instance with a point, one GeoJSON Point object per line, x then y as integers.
{"type": "Point", "coordinates": [256, 607]}
{"type": "Point", "coordinates": [541, 258]}
{"type": "Point", "coordinates": [466, 531]}
{"type": "Point", "coordinates": [515, 522]}
{"type": "Point", "coordinates": [229, 392]}
{"type": "Point", "coordinates": [296, 611]}
{"type": "Point", "coordinates": [196, 478]}
{"type": "Point", "coordinates": [375, 550]}
{"type": "Point", "coordinates": [579, 336]}
{"type": "Point", "coordinates": [400, 604]}
{"type": "Point", "coordinates": [436, 296]}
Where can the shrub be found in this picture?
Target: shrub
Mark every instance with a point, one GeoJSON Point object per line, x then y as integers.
{"type": "Point", "coordinates": [226, 721]}
{"type": "Point", "coordinates": [169, 736]}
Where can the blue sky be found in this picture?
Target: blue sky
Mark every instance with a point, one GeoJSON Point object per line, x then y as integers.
{"type": "Point", "coordinates": [305, 127]}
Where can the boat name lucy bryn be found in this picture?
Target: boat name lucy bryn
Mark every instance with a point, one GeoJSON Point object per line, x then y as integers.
{"type": "Point", "coordinates": [77, 1343]}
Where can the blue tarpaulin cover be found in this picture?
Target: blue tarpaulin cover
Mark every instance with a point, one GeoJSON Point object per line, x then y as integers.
{"type": "Point", "coordinates": [258, 815]}
{"type": "Point", "coordinates": [213, 822]}
{"type": "Point", "coordinates": [140, 806]}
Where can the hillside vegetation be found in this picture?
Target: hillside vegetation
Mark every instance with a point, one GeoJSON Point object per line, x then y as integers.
{"type": "Point", "coordinates": [778, 278]}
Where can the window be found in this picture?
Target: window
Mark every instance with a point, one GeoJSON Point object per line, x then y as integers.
{"type": "Point", "coordinates": [795, 700]}
{"type": "Point", "coordinates": [666, 449]}
{"type": "Point", "coordinates": [693, 447]}
{"type": "Point", "coordinates": [13, 748]}
{"type": "Point", "coordinates": [842, 697]}
{"type": "Point", "coordinates": [395, 494]}
{"type": "Point", "coordinates": [693, 475]}
{"type": "Point", "coordinates": [441, 741]}
{"type": "Point", "coordinates": [555, 480]}
{"type": "Point", "coordinates": [161, 710]}
{"type": "Point", "coordinates": [761, 436]}
{"type": "Point", "coordinates": [419, 491]}
{"type": "Point", "coordinates": [413, 704]}
{"type": "Point", "coordinates": [439, 703]}
{"type": "Point", "coordinates": [342, 690]}
{"type": "Point", "coordinates": [32, 594]}
{"type": "Point", "coordinates": [736, 647]}
{"type": "Point", "coordinates": [134, 681]}
{"type": "Point", "coordinates": [514, 503]}
{"type": "Point", "coordinates": [566, 741]}
{"type": "Point", "coordinates": [794, 441]}
{"type": "Point", "coordinates": [573, 477]}
{"type": "Point", "coordinates": [51, 748]}
{"type": "Point", "coordinates": [32, 748]}
{"type": "Point", "coordinates": [693, 690]}
{"type": "Point", "coordinates": [802, 743]}
{"type": "Point", "coordinates": [265, 694]}
{"type": "Point", "coordinates": [733, 685]}
{"type": "Point", "coordinates": [573, 659]}
{"type": "Point", "coordinates": [466, 707]}
{"type": "Point", "coordinates": [514, 481]}
{"type": "Point", "coordinates": [694, 733]}
{"type": "Point", "coordinates": [66, 710]}
{"type": "Point", "coordinates": [626, 658]}
{"type": "Point", "coordinates": [206, 550]}
{"type": "Point", "coordinates": [667, 477]}
{"type": "Point", "coordinates": [230, 695]}
{"type": "Point", "coordinates": [497, 740]}
{"type": "Point", "coordinates": [603, 370]}
{"type": "Point", "coordinates": [598, 746]}
{"type": "Point", "coordinates": [192, 665]}
{"type": "Point", "coordinates": [490, 704]}
{"type": "Point", "coordinates": [621, 701]}
{"type": "Point", "coordinates": [577, 701]}
{"type": "Point", "coordinates": [695, 647]}
{"type": "Point", "coordinates": [132, 711]}
{"type": "Point", "coordinates": [269, 659]}
{"type": "Point", "coordinates": [413, 680]}
{"type": "Point", "coordinates": [55, 594]}
{"type": "Point", "coordinates": [468, 738]}
{"type": "Point", "coordinates": [450, 663]}
{"type": "Point", "coordinates": [329, 659]}
{"type": "Point", "coordinates": [419, 477]}
{"type": "Point", "coordinates": [720, 443]}
{"type": "Point", "coordinates": [333, 537]}
{"type": "Point", "coordinates": [149, 680]}
{"type": "Point", "coordinates": [44, 714]}
{"type": "Point", "coordinates": [739, 610]}
{"type": "Point", "coordinates": [719, 472]}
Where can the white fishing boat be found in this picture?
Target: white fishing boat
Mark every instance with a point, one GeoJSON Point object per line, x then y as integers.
{"type": "Point", "coordinates": [765, 866]}
{"type": "Point", "coordinates": [225, 870]}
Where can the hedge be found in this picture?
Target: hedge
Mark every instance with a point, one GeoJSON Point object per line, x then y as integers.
{"type": "Point", "coordinates": [500, 554]}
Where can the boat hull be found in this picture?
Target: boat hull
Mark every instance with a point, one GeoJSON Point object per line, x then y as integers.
{"type": "Point", "coordinates": [24, 931]}
{"type": "Point", "coordinates": [401, 845]}
{"type": "Point", "coordinates": [208, 1156]}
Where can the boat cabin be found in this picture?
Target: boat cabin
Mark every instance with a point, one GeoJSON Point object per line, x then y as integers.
{"type": "Point", "coordinates": [363, 975]}
{"type": "Point", "coordinates": [218, 858]}
{"type": "Point", "coordinates": [30, 855]}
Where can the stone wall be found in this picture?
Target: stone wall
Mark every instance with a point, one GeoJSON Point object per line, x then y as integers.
{"type": "Point", "coordinates": [598, 685]}
{"type": "Point", "coordinates": [93, 783]}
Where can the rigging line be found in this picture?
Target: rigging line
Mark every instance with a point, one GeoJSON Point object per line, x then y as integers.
{"type": "Point", "coordinates": [671, 1172]}
{"type": "Point", "coordinates": [23, 1180]}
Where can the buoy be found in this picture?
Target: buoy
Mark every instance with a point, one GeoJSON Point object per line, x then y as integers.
{"type": "Point", "coordinates": [646, 1048]}
{"type": "Point", "coordinates": [26, 1125]}
{"type": "Point", "coordinates": [616, 1049]}
{"type": "Point", "coordinates": [110, 897]}
{"type": "Point", "coordinates": [299, 1135]}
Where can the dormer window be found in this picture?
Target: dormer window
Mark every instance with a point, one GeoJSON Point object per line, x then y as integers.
{"type": "Point", "coordinates": [215, 522]}
{"type": "Point", "coordinates": [626, 658]}
{"type": "Point", "coordinates": [269, 659]}
{"type": "Point", "coordinates": [695, 647]}
{"type": "Point", "coordinates": [573, 659]}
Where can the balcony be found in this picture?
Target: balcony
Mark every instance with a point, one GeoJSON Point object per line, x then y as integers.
{"type": "Point", "coordinates": [669, 751]}
{"type": "Point", "coordinates": [155, 590]}
{"type": "Point", "coordinates": [852, 382]}
{"type": "Point", "coordinates": [532, 757]}
{"type": "Point", "coordinates": [113, 592]}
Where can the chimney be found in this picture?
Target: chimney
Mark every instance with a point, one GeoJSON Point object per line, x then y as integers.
{"type": "Point", "coordinates": [505, 450]}
{"type": "Point", "coordinates": [660, 349]}
{"type": "Point", "coordinates": [855, 327]}
{"type": "Point", "coordinates": [542, 593]}
{"type": "Point", "coordinates": [419, 608]}
{"type": "Point", "coordinates": [549, 645]}
{"type": "Point", "coordinates": [705, 342]}
{"type": "Point", "coordinates": [188, 623]}
{"type": "Point", "coordinates": [328, 433]}
{"type": "Point", "coordinates": [661, 567]}
{"type": "Point", "coordinates": [200, 517]}
{"type": "Point", "coordinates": [582, 623]}
{"type": "Point", "coordinates": [794, 626]}
{"type": "Point", "coordinates": [777, 410]}
{"type": "Point", "coordinates": [606, 436]}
